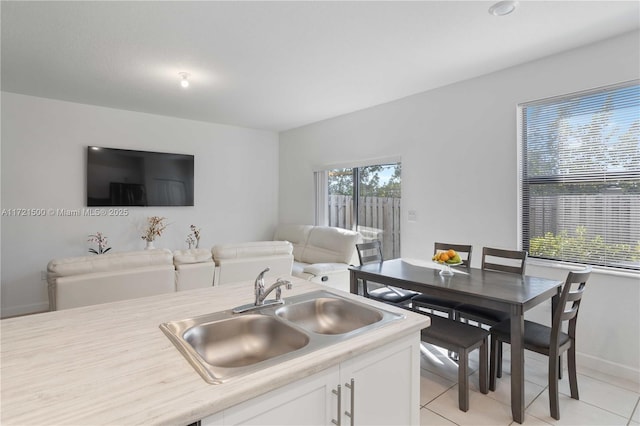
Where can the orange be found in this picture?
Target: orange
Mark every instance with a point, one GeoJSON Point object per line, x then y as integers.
{"type": "Point", "coordinates": [451, 253]}
{"type": "Point", "coordinates": [444, 257]}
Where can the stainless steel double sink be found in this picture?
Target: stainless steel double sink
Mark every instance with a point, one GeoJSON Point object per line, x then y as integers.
{"type": "Point", "coordinates": [223, 345]}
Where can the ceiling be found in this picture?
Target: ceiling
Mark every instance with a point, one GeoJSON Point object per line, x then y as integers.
{"type": "Point", "coordinates": [279, 65]}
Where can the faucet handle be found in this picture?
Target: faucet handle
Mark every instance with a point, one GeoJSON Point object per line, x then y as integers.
{"type": "Point", "coordinates": [260, 278]}
{"type": "Point", "coordinates": [279, 283]}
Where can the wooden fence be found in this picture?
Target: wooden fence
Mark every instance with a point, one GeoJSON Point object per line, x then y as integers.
{"type": "Point", "coordinates": [378, 218]}
{"type": "Point", "coordinates": [548, 213]}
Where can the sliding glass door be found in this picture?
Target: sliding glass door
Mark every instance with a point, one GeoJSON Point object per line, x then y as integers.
{"type": "Point", "coordinates": [367, 199]}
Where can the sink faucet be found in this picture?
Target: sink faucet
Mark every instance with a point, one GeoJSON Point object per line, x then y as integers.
{"type": "Point", "coordinates": [258, 287]}
{"type": "Point", "coordinates": [262, 294]}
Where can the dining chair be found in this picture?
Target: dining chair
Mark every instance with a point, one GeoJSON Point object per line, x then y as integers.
{"type": "Point", "coordinates": [423, 301]}
{"type": "Point", "coordinates": [494, 259]}
{"type": "Point", "coordinates": [551, 341]}
{"type": "Point", "coordinates": [461, 339]}
{"type": "Point", "coordinates": [500, 260]}
{"type": "Point", "coordinates": [371, 252]}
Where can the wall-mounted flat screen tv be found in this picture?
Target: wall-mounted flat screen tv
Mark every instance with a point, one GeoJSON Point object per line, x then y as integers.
{"type": "Point", "coordinates": [121, 177]}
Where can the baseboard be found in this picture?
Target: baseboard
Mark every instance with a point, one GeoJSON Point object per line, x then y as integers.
{"type": "Point", "coordinates": [15, 311]}
{"type": "Point", "coordinates": [600, 365]}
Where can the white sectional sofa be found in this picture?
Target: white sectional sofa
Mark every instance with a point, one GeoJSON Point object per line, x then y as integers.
{"type": "Point", "coordinates": [90, 280]}
{"type": "Point", "coordinates": [322, 254]}
{"type": "Point", "coordinates": [316, 253]}
{"type": "Point", "coordinates": [244, 261]}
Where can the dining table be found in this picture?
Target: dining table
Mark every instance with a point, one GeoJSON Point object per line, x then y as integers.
{"type": "Point", "coordinates": [512, 293]}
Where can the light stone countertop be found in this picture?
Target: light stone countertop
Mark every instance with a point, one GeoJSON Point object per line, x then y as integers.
{"type": "Point", "coordinates": [111, 363]}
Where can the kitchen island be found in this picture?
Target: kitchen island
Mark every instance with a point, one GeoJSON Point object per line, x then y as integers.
{"type": "Point", "coordinates": [111, 364]}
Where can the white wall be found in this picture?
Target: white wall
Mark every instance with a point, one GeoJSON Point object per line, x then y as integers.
{"type": "Point", "coordinates": [458, 146]}
{"type": "Point", "coordinates": [43, 166]}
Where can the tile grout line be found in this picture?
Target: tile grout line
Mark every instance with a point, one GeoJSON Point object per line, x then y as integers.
{"type": "Point", "coordinates": [609, 383]}
{"type": "Point", "coordinates": [440, 415]}
{"type": "Point", "coordinates": [544, 389]}
{"type": "Point", "coordinates": [439, 395]}
{"type": "Point", "coordinates": [633, 411]}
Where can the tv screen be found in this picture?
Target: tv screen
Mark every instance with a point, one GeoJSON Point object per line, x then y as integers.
{"type": "Point", "coordinates": [121, 177]}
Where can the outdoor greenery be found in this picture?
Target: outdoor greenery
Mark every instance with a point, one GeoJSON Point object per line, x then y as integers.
{"type": "Point", "coordinates": [372, 184]}
{"type": "Point", "coordinates": [571, 147]}
{"type": "Point", "coordinates": [579, 247]}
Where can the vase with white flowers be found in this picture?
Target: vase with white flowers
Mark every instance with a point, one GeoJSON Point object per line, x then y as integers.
{"type": "Point", "coordinates": [155, 226]}
{"type": "Point", "coordinates": [100, 239]}
{"type": "Point", "coordinates": [193, 239]}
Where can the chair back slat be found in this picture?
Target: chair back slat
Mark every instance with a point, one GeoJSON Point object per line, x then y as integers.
{"type": "Point", "coordinates": [511, 261]}
{"type": "Point", "coordinates": [575, 294]}
{"type": "Point", "coordinates": [568, 314]}
{"type": "Point", "coordinates": [569, 303]}
{"type": "Point", "coordinates": [572, 302]}
{"type": "Point", "coordinates": [370, 259]}
{"type": "Point", "coordinates": [502, 268]}
{"type": "Point", "coordinates": [463, 250]}
{"type": "Point", "coordinates": [369, 252]}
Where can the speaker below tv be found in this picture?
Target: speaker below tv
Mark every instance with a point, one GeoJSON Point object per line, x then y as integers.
{"type": "Point", "coordinates": [121, 177]}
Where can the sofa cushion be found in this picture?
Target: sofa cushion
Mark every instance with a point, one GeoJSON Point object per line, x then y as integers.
{"type": "Point", "coordinates": [297, 235]}
{"type": "Point", "coordinates": [108, 262]}
{"type": "Point", "coordinates": [194, 275]}
{"type": "Point", "coordinates": [103, 287]}
{"type": "Point", "coordinates": [329, 245]}
{"type": "Point", "coordinates": [183, 257]}
{"type": "Point", "coordinates": [194, 268]}
{"type": "Point", "coordinates": [251, 249]}
{"type": "Point", "coordinates": [244, 261]}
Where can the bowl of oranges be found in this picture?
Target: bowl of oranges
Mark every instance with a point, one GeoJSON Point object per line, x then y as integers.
{"type": "Point", "coordinates": [450, 257]}
{"type": "Point", "coordinates": [447, 258]}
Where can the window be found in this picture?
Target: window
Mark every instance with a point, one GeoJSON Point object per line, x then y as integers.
{"type": "Point", "coordinates": [371, 206]}
{"type": "Point", "coordinates": [580, 177]}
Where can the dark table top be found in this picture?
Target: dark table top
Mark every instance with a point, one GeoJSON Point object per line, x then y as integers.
{"type": "Point", "coordinates": [497, 290]}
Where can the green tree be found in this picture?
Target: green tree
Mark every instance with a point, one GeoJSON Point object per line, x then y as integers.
{"type": "Point", "coordinates": [341, 181]}
{"type": "Point", "coordinates": [370, 180]}
{"type": "Point", "coordinates": [392, 188]}
{"type": "Point", "coordinates": [560, 141]}
{"type": "Point", "coordinates": [625, 153]}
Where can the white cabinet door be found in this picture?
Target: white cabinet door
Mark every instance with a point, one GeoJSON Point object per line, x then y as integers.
{"type": "Point", "coordinates": [385, 391]}
{"type": "Point", "coordinates": [386, 385]}
{"type": "Point", "coordinates": [308, 401]}
{"type": "Point", "coordinates": [213, 420]}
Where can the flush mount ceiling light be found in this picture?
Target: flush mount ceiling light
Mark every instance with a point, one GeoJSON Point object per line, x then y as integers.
{"type": "Point", "coordinates": [503, 8]}
{"type": "Point", "coordinates": [184, 79]}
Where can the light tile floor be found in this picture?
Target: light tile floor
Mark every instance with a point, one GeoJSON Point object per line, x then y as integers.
{"type": "Point", "coordinates": [603, 400]}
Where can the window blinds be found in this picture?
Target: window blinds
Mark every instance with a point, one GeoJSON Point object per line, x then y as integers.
{"type": "Point", "coordinates": [581, 177]}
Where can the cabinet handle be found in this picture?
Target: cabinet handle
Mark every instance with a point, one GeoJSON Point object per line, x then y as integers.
{"type": "Point", "coordinates": [351, 414]}
{"type": "Point", "coordinates": [339, 394]}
